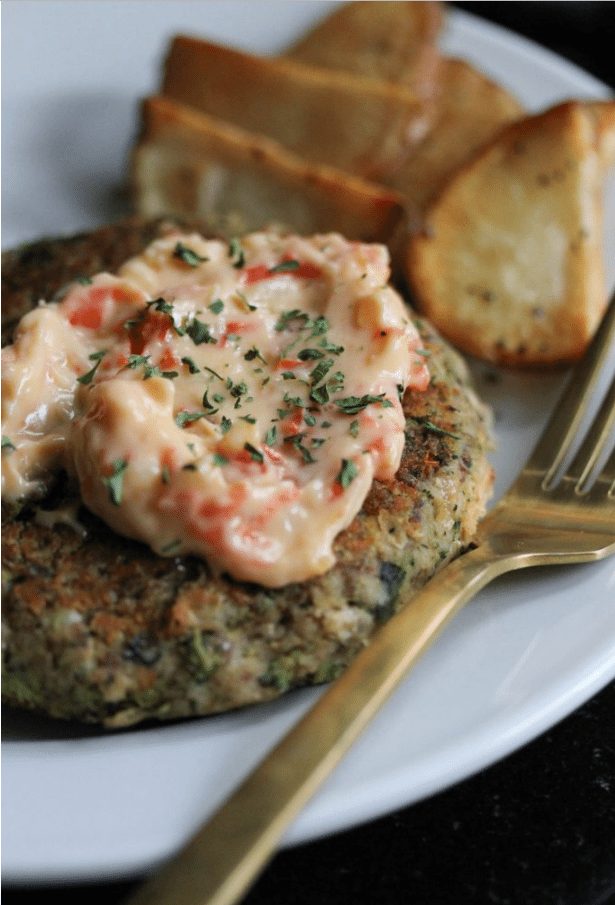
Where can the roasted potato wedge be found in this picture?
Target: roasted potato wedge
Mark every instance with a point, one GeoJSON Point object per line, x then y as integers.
{"type": "Point", "coordinates": [509, 263]}
{"type": "Point", "coordinates": [189, 164]}
{"type": "Point", "coordinates": [394, 41]}
{"type": "Point", "coordinates": [363, 126]}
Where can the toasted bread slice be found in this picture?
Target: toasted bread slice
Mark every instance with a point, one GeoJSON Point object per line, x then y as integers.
{"type": "Point", "coordinates": [509, 265]}
{"type": "Point", "coordinates": [394, 41]}
{"type": "Point", "coordinates": [363, 126]}
{"type": "Point", "coordinates": [189, 164]}
{"type": "Point", "coordinates": [470, 110]}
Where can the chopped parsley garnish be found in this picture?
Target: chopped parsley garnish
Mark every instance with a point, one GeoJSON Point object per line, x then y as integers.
{"type": "Point", "coordinates": [294, 400]}
{"type": "Point", "coordinates": [199, 332]}
{"type": "Point", "coordinates": [433, 428]}
{"type": "Point", "coordinates": [330, 347]}
{"type": "Point", "coordinates": [218, 397]}
{"type": "Point", "coordinates": [288, 375]}
{"type": "Point", "coordinates": [192, 366]}
{"type": "Point", "coordinates": [208, 405]}
{"type": "Point", "coordinates": [219, 459]}
{"type": "Point", "coordinates": [115, 481]}
{"type": "Point", "coordinates": [271, 436]}
{"type": "Point", "coordinates": [211, 371]}
{"type": "Point", "coordinates": [354, 428]}
{"type": "Point", "coordinates": [297, 441]}
{"type": "Point", "coordinates": [161, 305]}
{"type": "Point", "coordinates": [285, 266]}
{"type": "Point", "coordinates": [288, 316]}
{"type": "Point", "coordinates": [238, 389]}
{"type": "Point", "coordinates": [319, 326]}
{"type": "Point", "coordinates": [352, 405]}
{"type": "Point", "coordinates": [235, 251]}
{"type": "Point", "coordinates": [321, 370]}
{"type": "Point", "coordinates": [225, 425]}
{"type": "Point", "coordinates": [347, 473]}
{"type": "Point", "coordinates": [7, 443]}
{"type": "Point", "coordinates": [253, 353]}
{"type": "Point", "coordinates": [255, 454]}
{"type": "Point", "coordinates": [135, 361]}
{"type": "Point", "coordinates": [310, 420]}
{"type": "Point", "coordinates": [97, 357]}
{"type": "Point", "coordinates": [188, 255]}
{"type": "Point", "coordinates": [165, 474]}
{"type": "Point", "coordinates": [84, 281]}
{"type": "Point", "coordinates": [216, 306]}
{"type": "Point", "coordinates": [184, 418]}
{"type": "Point", "coordinates": [320, 394]}
{"type": "Point", "coordinates": [249, 418]}
{"type": "Point", "coordinates": [310, 354]}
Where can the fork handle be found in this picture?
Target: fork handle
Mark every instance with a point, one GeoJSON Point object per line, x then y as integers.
{"type": "Point", "coordinates": [227, 853]}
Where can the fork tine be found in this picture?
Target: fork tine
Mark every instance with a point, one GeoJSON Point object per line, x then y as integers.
{"type": "Point", "coordinates": [563, 426]}
{"type": "Point", "coordinates": [595, 443]}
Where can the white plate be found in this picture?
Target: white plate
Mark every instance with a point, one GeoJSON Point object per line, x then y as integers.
{"type": "Point", "coordinates": [81, 804]}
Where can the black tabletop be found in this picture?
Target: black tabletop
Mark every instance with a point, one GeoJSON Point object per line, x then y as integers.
{"type": "Point", "coordinates": [538, 828]}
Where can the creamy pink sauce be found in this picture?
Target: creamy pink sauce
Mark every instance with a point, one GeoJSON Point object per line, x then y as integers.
{"type": "Point", "coordinates": [234, 402]}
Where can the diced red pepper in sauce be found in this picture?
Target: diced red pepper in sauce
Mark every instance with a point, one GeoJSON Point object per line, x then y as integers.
{"type": "Point", "coordinates": [154, 325]}
{"type": "Point", "coordinates": [305, 270]}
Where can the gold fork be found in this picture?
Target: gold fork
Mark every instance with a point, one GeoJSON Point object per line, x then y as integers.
{"type": "Point", "coordinates": [545, 518]}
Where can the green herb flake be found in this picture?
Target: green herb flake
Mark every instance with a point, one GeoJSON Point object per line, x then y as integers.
{"type": "Point", "coordinates": [310, 354]}
{"type": "Point", "coordinates": [271, 436]}
{"type": "Point", "coordinates": [250, 419]}
{"type": "Point", "coordinates": [352, 405]}
{"type": "Point", "coordinates": [188, 255]}
{"type": "Point", "coordinates": [347, 473]}
{"type": "Point", "coordinates": [184, 418]}
{"type": "Point", "coordinates": [309, 419]}
{"type": "Point", "coordinates": [115, 481]}
{"type": "Point", "coordinates": [199, 332]}
{"type": "Point", "coordinates": [161, 305]}
{"type": "Point", "coordinates": [165, 474]}
{"type": "Point", "coordinates": [84, 281]}
{"type": "Point", "coordinates": [288, 375]}
{"type": "Point", "coordinates": [320, 394]}
{"type": "Point", "coordinates": [255, 454]}
{"type": "Point", "coordinates": [253, 353]}
{"type": "Point", "coordinates": [288, 316]}
{"type": "Point", "coordinates": [216, 306]}
{"type": "Point", "coordinates": [97, 357]}
{"type": "Point", "coordinates": [330, 347]}
{"type": "Point", "coordinates": [7, 443]}
{"type": "Point", "coordinates": [191, 365]}
{"type": "Point", "coordinates": [319, 326]}
{"type": "Point", "coordinates": [238, 389]}
{"type": "Point", "coordinates": [285, 266]}
{"type": "Point", "coordinates": [219, 459]}
{"type": "Point", "coordinates": [235, 252]}
{"type": "Point", "coordinates": [434, 429]}
{"type": "Point", "coordinates": [354, 428]}
{"type": "Point", "coordinates": [214, 373]}
{"type": "Point", "coordinates": [225, 425]}
{"type": "Point", "coordinates": [321, 370]}
{"type": "Point", "coordinates": [297, 442]}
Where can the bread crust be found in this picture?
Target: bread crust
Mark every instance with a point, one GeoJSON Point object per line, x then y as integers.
{"type": "Point", "coordinates": [98, 628]}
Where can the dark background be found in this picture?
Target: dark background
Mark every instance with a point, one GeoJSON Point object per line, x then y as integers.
{"type": "Point", "coordinates": [535, 829]}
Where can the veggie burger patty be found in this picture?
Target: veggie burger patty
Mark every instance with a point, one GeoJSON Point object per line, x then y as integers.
{"type": "Point", "coordinates": [99, 628]}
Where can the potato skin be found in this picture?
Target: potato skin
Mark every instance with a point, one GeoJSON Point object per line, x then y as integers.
{"type": "Point", "coordinates": [97, 628]}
